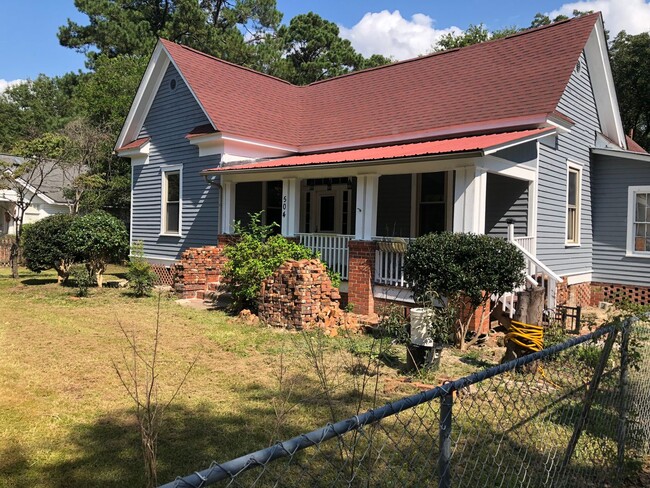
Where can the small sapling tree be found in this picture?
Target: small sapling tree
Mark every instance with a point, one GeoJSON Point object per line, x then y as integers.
{"type": "Point", "coordinates": [465, 269]}
{"type": "Point", "coordinates": [141, 277]}
{"type": "Point", "coordinates": [46, 245]}
{"type": "Point", "coordinates": [100, 239]}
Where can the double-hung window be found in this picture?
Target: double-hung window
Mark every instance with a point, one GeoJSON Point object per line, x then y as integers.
{"type": "Point", "coordinates": [638, 221]}
{"type": "Point", "coordinates": [574, 176]}
{"type": "Point", "coordinates": [171, 202]}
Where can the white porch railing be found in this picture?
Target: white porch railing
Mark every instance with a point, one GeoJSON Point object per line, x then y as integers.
{"type": "Point", "coordinates": [389, 263]}
{"type": "Point", "coordinates": [527, 243]}
{"type": "Point", "coordinates": [537, 273]}
{"type": "Point", "coordinates": [333, 250]}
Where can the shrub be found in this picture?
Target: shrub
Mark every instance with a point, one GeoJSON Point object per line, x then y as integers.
{"type": "Point", "coordinates": [255, 257]}
{"type": "Point", "coordinates": [46, 245]}
{"type": "Point", "coordinates": [141, 277]}
{"type": "Point", "coordinates": [463, 268]}
{"type": "Point", "coordinates": [101, 239]}
{"type": "Point", "coordinates": [83, 279]}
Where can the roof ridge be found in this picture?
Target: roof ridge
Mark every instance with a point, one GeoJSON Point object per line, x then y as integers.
{"type": "Point", "coordinates": [531, 30]}
{"type": "Point", "coordinates": [229, 63]}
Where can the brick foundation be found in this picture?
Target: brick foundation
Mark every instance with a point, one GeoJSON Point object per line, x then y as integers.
{"type": "Point", "coordinates": [361, 276]}
{"type": "Point", "coordinates": [615, 293]}
{"type": "Point", "coordinates": [574, 295]}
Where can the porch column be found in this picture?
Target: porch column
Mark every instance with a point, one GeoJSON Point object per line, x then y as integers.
{"type": "Point", "coordinates": [366, 207]}
{"type": "Point", "coordinates": [227, 206]}
{"type": "Point", "coordinates": [469, 200]}
{"type": "Point", "coordinates": [290, 206]}
{"type": "Point", "coordinates": [532, 215]}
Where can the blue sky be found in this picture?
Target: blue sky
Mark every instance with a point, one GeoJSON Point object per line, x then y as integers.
{"type": "Point", "coordinates": [404, 28]}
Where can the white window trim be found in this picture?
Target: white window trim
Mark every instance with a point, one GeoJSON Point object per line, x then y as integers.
{"type": "Point", "coordinates": [163, 186]}
{"type": "Point", "coordinates": [631, 210]}
{"type": "Point", "coordinates": [571, 166]}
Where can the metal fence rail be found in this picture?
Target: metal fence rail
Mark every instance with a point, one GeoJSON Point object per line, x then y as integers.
{"type": "Point", "coordinates": [569, 415]}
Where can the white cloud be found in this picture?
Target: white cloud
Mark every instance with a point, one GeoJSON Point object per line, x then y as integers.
{"type": "Point", "coordinates": [392, 35]}
{"type": "Point", "coordinates": [4, 84]}
{"type": "Point", "coordinates": [633, 16]}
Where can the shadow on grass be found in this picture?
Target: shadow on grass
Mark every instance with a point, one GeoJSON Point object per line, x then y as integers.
{"type": "Point", "coordinates": [475, 361]}
{"type": "Point", "coordinates": [109, 449]}
{"type": "Point", "coordinates": [38, 281]}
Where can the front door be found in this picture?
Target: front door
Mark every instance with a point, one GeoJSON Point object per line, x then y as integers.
{"type": "Point", "coordinates": [327, 213]}
{"type": "Point", "coordinates": [327, 207]}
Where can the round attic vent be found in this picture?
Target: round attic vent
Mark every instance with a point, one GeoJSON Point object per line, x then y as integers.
{"type": "Point", "coordinates": [172, 84]}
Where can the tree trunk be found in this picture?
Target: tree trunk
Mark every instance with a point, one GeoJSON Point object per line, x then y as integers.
{"type": "Point", "coordinates": [530, 310]}
{"type": "Point", "coordinates": [13, 258]}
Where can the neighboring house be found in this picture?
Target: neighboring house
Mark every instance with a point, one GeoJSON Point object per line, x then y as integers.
{"type": "Point", "coordinates": [49, 200]}
{"type": "Point", "coordinates": [525, 128]}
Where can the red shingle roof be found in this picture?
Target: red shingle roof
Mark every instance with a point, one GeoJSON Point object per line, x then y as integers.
{"type": "Point", "coordinates": [514, 82]}
{"type": "Point", "coordinates": [633, 146]}
{"type": "Point", "coordinates": [134, 144]}
{"type": "Point", "coordinates": [444, 146]}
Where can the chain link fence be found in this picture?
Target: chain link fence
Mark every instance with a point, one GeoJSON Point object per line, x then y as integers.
{"type": "Point", "coordinates": [574, 414]}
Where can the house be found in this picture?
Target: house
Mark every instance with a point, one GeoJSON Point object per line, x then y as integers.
{"type": "Point", "coordinates": [518, 137]}
{"type": "Point", "coordinates": [48, 199]}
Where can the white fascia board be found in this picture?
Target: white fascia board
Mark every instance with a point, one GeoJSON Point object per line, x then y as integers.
{"type": "Point", "coordinates": [135, 152]}
{"type": "Point", "coordinates": [602, 83]}
{"type": "Point", "coordinates": [31, 189]}
{"type": "Point", "coordinates": [244, 148]}
{"type": "Point", "coordinates": [147, 90]}
{"type": "Point", "coordinates": [523, 140]}
{"type": "Point", "coordinates": [562, 126]}
{"type": "Point", "coordinates": [622, 154]}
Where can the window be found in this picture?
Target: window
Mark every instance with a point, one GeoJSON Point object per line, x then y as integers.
{"type": "Point", "coordinates": [432, 210]}
{"type": "Point", "coordinates": [638, 221]}
{"type": "Point", "coordinates": [171, 204]}
{"type": "Point", "coordinates": [573, 205]}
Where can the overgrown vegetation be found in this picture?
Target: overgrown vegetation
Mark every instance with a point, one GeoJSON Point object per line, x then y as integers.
{"type": "Point", "coordinates": [96, 240]}
{"type": "Point", "coordinates": [465, 269]}
{"type": "Point", "coordinates": [83, 279]}
{"type": "Point", "coordinates": [46, 245]}
{"type": "Point", "coordinates": [100, 239]}
{"type": "Point", "coordinates": [255, 257]}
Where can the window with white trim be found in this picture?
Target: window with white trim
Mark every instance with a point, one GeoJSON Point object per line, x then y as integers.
{"type": "Point", "coordinates": [638, 220]}
{"type": "Point", "coordinates": [171, 202]}
{"type": "Point", "coordinates": [573, 200]}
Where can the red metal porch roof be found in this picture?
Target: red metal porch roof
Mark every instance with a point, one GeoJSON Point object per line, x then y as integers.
{"type": "Point", "coordinates": [444, 146]}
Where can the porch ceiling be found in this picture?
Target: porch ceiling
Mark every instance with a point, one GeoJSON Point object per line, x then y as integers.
{"type": "Point", "coordinates": [483, 143]}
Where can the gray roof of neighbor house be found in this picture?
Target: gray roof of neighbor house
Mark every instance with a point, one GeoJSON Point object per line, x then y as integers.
{"type": "Point", "coordinates": [56, 179]}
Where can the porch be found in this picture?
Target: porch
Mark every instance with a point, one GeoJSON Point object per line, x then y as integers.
{"type": "Point", "coordinates": [360, 219]}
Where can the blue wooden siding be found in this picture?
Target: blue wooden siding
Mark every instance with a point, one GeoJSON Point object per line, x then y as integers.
{"type": "Point", "coordinates": [173, 114]}
{"type": "Point", "coordinates": [577, 103]}
{"type": "Point", "coordinates": [394, 206]}
{"type": "Point", "coordinates": [507, 198]}
{"type": "Point", "coordinates": [611, 179]}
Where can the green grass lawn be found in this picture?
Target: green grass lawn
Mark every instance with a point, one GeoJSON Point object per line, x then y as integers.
{"type": "Point", "coordinates": [67, 421]}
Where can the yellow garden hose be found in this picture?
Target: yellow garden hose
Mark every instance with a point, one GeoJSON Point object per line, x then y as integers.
{"type": "Point", "coordinates": [530, 337]}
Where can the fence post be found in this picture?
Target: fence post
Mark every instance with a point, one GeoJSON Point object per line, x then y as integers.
{"type": "Point", "coordinates": [622, 413]}
{"type": "Point", "coordinates": [589, 398]}
{"type": "Point", "coordinates": [444, 459]}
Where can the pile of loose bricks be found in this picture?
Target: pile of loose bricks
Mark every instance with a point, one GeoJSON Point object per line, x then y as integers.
{"type": "Point", "coordinates": [199, 272]}
{"type": "Point", "coordinates": [299, 295]}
